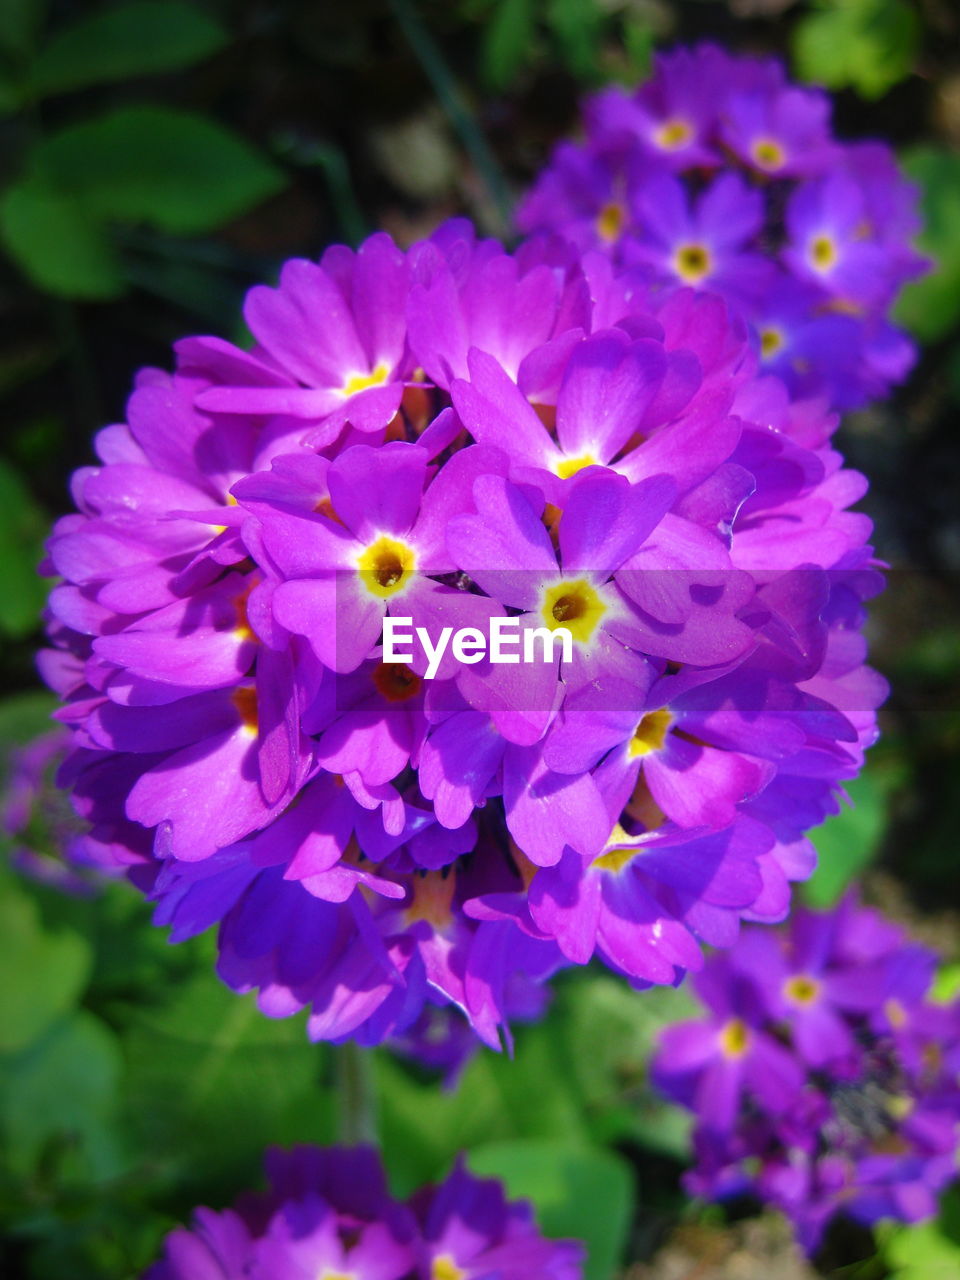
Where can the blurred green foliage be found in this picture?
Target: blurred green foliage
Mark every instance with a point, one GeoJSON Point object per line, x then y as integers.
{"type": "Point", "coordinates": [148, 164]}
{"type": "Point", "coordinates": [516, 35]}
{"type": "Point", "coordinates": [930, 1250]}
{"type": "Point", "coordinates": [930, 307]}
{"type": "Point", "coordinates": [848, 842]}
{"type": "Point", "coordinates": [869, 45]}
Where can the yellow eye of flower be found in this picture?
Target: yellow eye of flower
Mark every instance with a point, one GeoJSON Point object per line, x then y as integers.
{"type": "Point", "coordinates": [801, 989]}
{"type": "Point", "coordinates": [362, 381]}
{"type": "Point", "coordinates": [615, 860]}
{"type": "Point", "coordinates": [692, 263]}
{"type": "Point", "coordinates": [673, 134]}
{"type": "Point", "coordinates": [570, 466]}
{"type": "Point", "coordinates": [735, 1038]}
{"type": "Point", "coordinates": [651, 733]}
{"type": "Point", "coordinates": [386, 566]}
{"type": "Point", "coordinates": [610, 222]}
{"type": "Point", "coordinates": [443, 1267]}
{"type": "Point", "coordinates": [575, 605]}
{"type": "Point", "coordinates": [767, 154]}
{"type": "Point", "coordinates": [823, 252]}
{"type": "Point", "coordinates": [771, 341]}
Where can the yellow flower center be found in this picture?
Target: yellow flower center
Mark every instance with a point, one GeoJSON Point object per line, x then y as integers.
{"type": "Point", "coordinates": [570, 466]}
{"type": "Point", "coordinates": [673, 134]}
{"type": "Point", "coordinates": [443, 1267]}
{"type": "Point", "coordinates": [575, 605]}
{"type": "Point", "coordinates": [801, 989]}
{"type": "Point", "coordinates": [823, 252]}
{"type": "Point", "coordinates": [362, 381]}
{"type": "Point", "coordinates": [735, 1038]}
{"type": "Point", "coordinates": [896, 1014]}
{"type": "Point", "coordinates": [767, 154]}
{"type": "Point", "coordinates": [899, 1106]}
{"type": "Point", "coordinates": [610, 221]}
{"type": "Point", "coordinates": [650, 734]}
{"type": "Point", "coordinates": [615, 860]}
{"type": "Point", "coordinates": [386, 566]}
{"type": "Point", "coordinates": [771, 341]}
{"type": "Point", "coordinates": [692, 263]}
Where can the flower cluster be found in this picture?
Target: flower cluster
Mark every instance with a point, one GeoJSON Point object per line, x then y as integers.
{"type": "Point", "coordinates": [448, 437]}
{"type": "Point", "coordinates": [824, 1079]}
{"type": "Point", "coordinates": [719, 173]}
{"type": "Point", "coordinates": [329, 1213]}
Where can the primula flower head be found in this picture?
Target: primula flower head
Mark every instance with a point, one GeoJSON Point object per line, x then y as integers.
{"type": "Point", "coordinates": [328, 1213]}
{"type": "Point", "coordinates": [556, 446]}
{"type": "Point", "coordinates": [823, 1077]}
{"type": "Point", "coordinates": [719, 174]}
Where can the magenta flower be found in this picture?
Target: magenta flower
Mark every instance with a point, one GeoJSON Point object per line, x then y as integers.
{"type": "Point", "coordinates": [328, 1212]}
{"type": "Point", "coordinates": [545, 646]}
{"type": "Point", "coordinates": [823, 1078]}
{"type": "Point", "coordinates": [720, 174]}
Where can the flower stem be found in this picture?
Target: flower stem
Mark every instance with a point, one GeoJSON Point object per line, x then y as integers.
{"type": "Point", "coordinates": [356, 1095]}
{"type": "Point", "coordinates": [450, 98]}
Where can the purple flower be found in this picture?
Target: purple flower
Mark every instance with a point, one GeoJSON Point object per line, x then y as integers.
{"type": "Point", "coordinates": [702, 242]}
{"type": "Point", "coordinates": [822, 1079]}
{"type": "Point", "coordinates": [329, 1213]}
{"type": "Point", "coordinates": [718, 173]}
{"type": "Point", "coordinates": [276, 634]}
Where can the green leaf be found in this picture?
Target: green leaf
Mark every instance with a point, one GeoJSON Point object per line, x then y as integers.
{"type": "Point", "coordinates": [56, 243]}
{"type": "Point", "coordinates": [64, 1085]}
{"type": "Point", "coordinates": [606, 1035]}
{"type": "Point", "coordinates": [578, 1192]}
{"type": "Point", "coordinates": [207, 1056]}
{"type": "Point", "coordinates": [174, 170]}
{"type": "Point", "coordinates": [24, 716]}
{"type": "Point", "coordinates": [506, 41]}
{"type": "Point", "coordinates": [946, 984]}
{"type": "Point", "coordinates": [868, 44]}
{"type": "Point", "coordinates": [929, 1250]}
{"type": "Point", "coordinates": [44, 973]}
{"type": "Point", "coordinates": [141, 38]}
{"type": "Point", "coordinates": [23, 528]}
{"type": "Point", "coordinates": [930, 307]}
{"type": "Point", "coordinates": [847, 842]}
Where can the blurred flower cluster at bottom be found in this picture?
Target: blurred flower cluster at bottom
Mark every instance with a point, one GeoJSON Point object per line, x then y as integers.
{"type": "Point", "coordinates": [329, 1214]}
{"type": "Point", "coordinates": [823, 1077]}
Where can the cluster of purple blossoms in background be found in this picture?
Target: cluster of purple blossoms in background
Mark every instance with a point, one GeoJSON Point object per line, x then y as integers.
{"type": "Point", "coordinates": [720, 173]}
{"type": "Point", "coordinates": [44, 833]}
{"type": "Point", "coordinates": [824, 1080]}
{"type": "Point", "coordinates": [454, 434]}
{"type": "Point", "coordinates": [329, 1213]}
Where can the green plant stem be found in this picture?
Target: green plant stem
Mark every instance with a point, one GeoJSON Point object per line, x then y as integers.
{"type": "Point", "coordinates": [449, 97]}
{"type": "Point", "coordinates": [356, 1100]}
